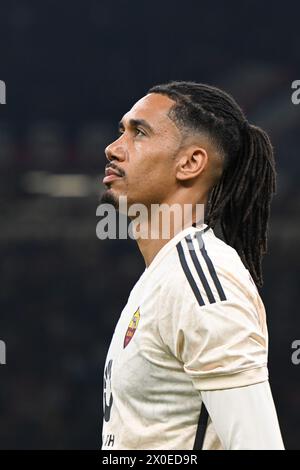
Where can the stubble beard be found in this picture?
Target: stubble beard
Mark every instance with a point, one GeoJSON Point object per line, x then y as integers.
{"type": "Point", "coordinates": [108, 197]}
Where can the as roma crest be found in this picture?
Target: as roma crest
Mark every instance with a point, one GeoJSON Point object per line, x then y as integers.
{"type": "Point", "coordinates": [132, 327]}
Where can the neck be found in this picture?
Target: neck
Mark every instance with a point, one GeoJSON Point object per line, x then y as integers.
{"type": "Point", "coordinates": [154, 234]}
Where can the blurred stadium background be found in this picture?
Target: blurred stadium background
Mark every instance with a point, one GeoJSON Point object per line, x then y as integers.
{"type": "Point", "coordinates": [72, 69]}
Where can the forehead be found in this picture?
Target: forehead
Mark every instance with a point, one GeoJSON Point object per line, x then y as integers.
{"type": "Point", "coordinates": [154, 109]}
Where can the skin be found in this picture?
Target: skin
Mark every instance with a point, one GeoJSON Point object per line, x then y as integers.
{"type": "Point", "coordinates": [161, 165]}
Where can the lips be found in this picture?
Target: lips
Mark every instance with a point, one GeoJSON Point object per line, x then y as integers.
{"type": "Point", "coordinates": [112, 171]}
{"type": "Point", "coordinates": [111, 174]}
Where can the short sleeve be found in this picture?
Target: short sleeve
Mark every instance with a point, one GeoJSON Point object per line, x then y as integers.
{"type": "Point", "coordinates": [220, 345]}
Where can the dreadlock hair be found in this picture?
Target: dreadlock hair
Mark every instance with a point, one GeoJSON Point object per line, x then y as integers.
{"type": "Point", "coordinates": [240, 200]}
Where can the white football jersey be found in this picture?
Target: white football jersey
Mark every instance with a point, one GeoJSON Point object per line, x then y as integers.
{"type": "Point", "coordinates": [194, 321]}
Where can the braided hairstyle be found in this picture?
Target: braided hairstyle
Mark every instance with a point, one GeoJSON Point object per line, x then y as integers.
{"type": "Point", "coordinates": [240, 200]}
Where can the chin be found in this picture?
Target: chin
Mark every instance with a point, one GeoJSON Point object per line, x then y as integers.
{"type": "Point", "coordinates": [119, 200]}
{"type": "Point", "coordinates": [109, 197]}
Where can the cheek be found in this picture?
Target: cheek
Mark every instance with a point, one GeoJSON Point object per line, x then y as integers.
{"type": "Point", "coordinates": [150, 167]}
{"type": "Point", "coordinates": [154, 157]}
{"type": "Point", "coordinates": [153, 184]}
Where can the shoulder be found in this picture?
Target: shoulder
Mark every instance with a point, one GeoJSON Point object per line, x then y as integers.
{"type": "Point", "coordinates": [205, 267]}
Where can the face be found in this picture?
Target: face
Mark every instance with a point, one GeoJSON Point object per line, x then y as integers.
{"type": "Point", "coordinates": [144, 154]}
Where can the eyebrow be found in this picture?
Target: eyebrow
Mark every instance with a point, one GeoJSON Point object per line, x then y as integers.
{"type": "Point", "coordinates": [135, 123]}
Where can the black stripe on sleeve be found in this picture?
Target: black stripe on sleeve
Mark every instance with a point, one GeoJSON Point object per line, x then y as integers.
{"type": "Point", "coordinates": [188, 274]}
{"type": "Point", "coordinates": [210, 266]}
{"type": "Point", "coordinates": [201, 428]}
{"type": "Point", "coordinates": [199, 270]}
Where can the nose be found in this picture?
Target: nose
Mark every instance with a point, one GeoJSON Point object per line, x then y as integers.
{"type": "Point", "coordinates": [115, 151]}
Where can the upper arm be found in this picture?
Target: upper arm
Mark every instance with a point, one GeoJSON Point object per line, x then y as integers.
{"type": "Point", "coordinates": [220, 345]}
{"type": "Point", "coordinates": [245, 417]}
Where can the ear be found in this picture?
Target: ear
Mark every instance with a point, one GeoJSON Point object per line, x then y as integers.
{"type": "Point", "coordinates": [192, 163]}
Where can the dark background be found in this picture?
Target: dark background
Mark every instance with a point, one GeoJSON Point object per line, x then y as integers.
{"type": "Point", "coordinates": [72, 69]}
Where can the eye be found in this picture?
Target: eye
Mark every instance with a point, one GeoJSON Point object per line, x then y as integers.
{"type": "Point", "coordinates": [139, 131]}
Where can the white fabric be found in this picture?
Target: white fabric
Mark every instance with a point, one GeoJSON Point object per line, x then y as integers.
{"type": "Point", "coordinates": [244, 418]}
{"type": "Point", "coordinates": [176, 347]}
